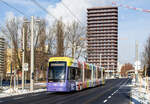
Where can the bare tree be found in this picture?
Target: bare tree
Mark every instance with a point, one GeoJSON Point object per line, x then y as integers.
{"type": "Point", "coordinates": [40, 53]}
{"type": "Point", "coordinates": [26, 27]}
{"type": "Point", "coordinates": [76, 39]}
{"type": "Point", "coordinates": [146, 56]}
{"type": "Point", "coordinates": [12, 33]}
{"type": "Point", "coordinates": [125, 68]}
{"type": "Point", "coordinates": [51, 40]}
{"type": "Point", "coordinates": [27, 34]}
{"type": "Point", "coordinates": [60, 38]}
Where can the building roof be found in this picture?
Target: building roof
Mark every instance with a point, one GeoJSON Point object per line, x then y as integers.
{"type": "Point", "coordinates": [102, 7]}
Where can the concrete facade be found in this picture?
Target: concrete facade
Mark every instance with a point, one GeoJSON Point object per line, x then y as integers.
{"type": "Point", "coordinates": [2, 58]}
{"type": "Point", "coordinates": [102, 36]}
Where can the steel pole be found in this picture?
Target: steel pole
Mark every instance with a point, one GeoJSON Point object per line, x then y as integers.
{"type": "Point", "coordinates": [32, 55]}
{"type": "Point", "coordinates": [23, 48]}
{"type": "Point", "coordinates": [113, 71]}
{"type": "Point", "coordinates": [136, 62]}
{"type": "Point", "coordinates": [108, 68]}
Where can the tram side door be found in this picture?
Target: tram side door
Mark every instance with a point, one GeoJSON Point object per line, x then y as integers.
{"type": "Point", "coordinates": [72, 73]}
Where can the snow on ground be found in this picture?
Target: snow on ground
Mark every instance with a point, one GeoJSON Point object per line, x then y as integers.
{"type": "Point", "coordinates": [13, 92]}
{"type": "Point", "coordinates": [140, 92]}
{"type": "Point", "coordinates": [7, 91]}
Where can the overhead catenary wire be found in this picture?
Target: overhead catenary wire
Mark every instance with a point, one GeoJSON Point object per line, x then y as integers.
{"type": "Point", "coordinates": [42, 8]}
{"type": "Point", "coordinates": [45, 10]}
{"type": "Point", "coordinates": [71, 12]}
{"type": "Point", "coordinates": [80, 23]}
{"type": "Point", "coordinates": [4, 2]}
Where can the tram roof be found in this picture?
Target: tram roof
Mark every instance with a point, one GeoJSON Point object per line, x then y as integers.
{"type": "Point", "coordinates": [72, 62]}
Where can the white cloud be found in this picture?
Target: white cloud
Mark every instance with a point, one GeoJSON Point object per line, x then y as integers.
{"type": "Point", "coordinates": [78, 8]}
{"type": "Point", "coordinates": [9, 15]}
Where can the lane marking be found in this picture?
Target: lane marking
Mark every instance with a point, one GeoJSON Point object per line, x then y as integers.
{"type": "Point", "coordinates": [124, 84]}
{"type": "Point", "coordinates": [109, 97]}
{"type": "Point", "coordinates": [18, 98]}
{"type": "Point", "coordinates": [94, 98]}
{"type": "Point", "coordinates": [105, 101]}
{"type": "Point", "coordinates": [116, 91]}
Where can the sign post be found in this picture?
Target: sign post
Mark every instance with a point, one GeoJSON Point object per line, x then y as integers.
{"type": "Point", "coordinates": [25, 67]}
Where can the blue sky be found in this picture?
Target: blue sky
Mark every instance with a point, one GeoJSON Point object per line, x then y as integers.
{"type": "Point", "coordinates": [132, 25]}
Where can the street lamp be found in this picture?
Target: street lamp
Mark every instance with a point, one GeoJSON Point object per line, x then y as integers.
{"type": "Point", "coordinates": [113, 70]}
{"type": "Point", "coordinates": [108, 67]}
{"type": "Point", "coordinates": [32, 54]}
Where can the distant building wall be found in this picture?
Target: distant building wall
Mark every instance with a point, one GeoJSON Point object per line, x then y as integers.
{"type": "Point", "coordinates": [102, 36]}
{"type": "Point", "coordinates": [40, 60]}
{"type": "Point", "coordinates": [2, 58]}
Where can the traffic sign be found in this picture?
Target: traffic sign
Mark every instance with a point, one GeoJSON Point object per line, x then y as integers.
{"type": "Point", "coordinates": [109, 70]}
{"type": "Point", "coordinates": [25, 67]}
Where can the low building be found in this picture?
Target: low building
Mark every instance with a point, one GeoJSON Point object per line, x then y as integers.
{"type": "Point", "coordinates": [40, 60]}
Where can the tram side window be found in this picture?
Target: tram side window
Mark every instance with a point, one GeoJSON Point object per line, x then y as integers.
{"type": "Point", "coordinates": [87, 74]}
{"type": "Point", "coordinates": [99, 74]}
{"type": "Point", "coordinates": [72, 73]}
{"type": "Point", "coordinates": [94, 74]}
{"type": "Point", "coordinates": [78, 74]}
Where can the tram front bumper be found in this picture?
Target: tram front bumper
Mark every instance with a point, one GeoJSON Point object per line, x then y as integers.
{"type": "Point", "coordinates": [56, 87]}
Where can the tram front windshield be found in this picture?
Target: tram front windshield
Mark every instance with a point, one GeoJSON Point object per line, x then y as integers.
{"type": "Point", "coordinates": [57, 71]}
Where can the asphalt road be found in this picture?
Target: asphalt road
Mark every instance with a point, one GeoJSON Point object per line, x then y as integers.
{"type": "Point", "coordinates": [115, 91]}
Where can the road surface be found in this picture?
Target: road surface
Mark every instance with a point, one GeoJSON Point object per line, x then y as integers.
{"type": "Point", "coordinates": [115, 91]}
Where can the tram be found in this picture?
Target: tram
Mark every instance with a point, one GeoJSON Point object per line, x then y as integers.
{"type": "Point", "coordinates": [66, 74]}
